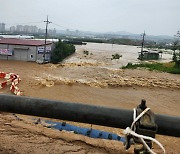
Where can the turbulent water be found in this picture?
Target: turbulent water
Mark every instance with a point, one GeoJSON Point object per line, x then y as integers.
{"type": "Point", "coordinates": [98, 69]}
{"type": "Point", "coordinates": [103, 53]}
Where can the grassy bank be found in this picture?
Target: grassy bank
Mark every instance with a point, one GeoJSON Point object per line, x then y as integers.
{"type": "Point", "coordinates": [162, 67]}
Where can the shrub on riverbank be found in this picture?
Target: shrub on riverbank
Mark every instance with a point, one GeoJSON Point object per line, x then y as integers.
{"type": "Point", "coordinates": [61, 51]}
{"type": "Point", "coordinates": [163, 67]}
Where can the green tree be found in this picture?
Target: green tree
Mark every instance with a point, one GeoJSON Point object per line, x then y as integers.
{"type": "Point", "coordinates": [61, 51]}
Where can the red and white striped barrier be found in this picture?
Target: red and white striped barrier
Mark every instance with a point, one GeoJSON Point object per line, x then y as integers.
{"type": "Point", "coordinates": [11, 79]}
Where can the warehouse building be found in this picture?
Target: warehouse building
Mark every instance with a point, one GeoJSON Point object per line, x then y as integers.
{"type": "Point", "coordinates": [24, 50]}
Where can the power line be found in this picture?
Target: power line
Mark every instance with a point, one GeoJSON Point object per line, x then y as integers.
{"type": "Point", "coordinates": [62, 26]}
{"type": "Point", "coordinates": [143, 35]}
{"type": "Point", "coordinates": [47, 22]}
{"type": "Point", "coordinates": [59, 25]}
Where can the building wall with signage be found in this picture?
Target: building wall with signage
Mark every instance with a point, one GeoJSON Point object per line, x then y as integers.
{"type": "Point", "coordinates": [40, 52]}
{"type": "Point", "coordinates": [24, 53]}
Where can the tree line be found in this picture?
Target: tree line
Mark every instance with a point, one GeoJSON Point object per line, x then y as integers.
{"type": "Point", "coordinates": [61, 51]}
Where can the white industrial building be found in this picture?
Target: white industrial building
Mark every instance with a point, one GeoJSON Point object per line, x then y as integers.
{"type": "Point", "coordinates": [24, 50]}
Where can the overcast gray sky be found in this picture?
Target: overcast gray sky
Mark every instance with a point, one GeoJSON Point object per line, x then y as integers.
{"type": "Point", "coordinates": [157, 17]}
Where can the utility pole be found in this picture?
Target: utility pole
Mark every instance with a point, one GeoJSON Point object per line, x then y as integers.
{"type": "Point", "coordinates": [47, 22]}
{"type": "Point", "coordinates": [142, 46]}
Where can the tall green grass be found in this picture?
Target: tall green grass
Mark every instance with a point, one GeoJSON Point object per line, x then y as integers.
{"type": "Point", "coordinates": [162, 67]}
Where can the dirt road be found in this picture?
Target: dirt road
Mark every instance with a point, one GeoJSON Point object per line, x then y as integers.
{"type": "Point", "coordinates": [91, 82]}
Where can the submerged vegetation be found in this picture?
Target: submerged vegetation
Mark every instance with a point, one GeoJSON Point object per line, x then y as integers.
{"type": "Point", "coordinates": [163, 67]}
{"type": "Point", "coordinates": [116, 56]}
{"type": "Point", "coordinates": [86, 52]}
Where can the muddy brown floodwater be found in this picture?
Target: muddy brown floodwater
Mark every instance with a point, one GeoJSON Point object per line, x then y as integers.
{"type": "Point", "coordinates": [90, 79]}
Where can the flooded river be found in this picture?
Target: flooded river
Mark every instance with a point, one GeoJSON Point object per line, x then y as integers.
{"type": "Point", "coordinates": [102, 53]}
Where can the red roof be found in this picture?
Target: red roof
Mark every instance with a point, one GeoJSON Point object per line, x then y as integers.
{"type": "Point", "coordinates": [23, 42]}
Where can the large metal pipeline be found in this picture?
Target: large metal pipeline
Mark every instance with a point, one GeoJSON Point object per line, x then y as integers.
{"type": "Point", "coordinates": [119, 118]}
